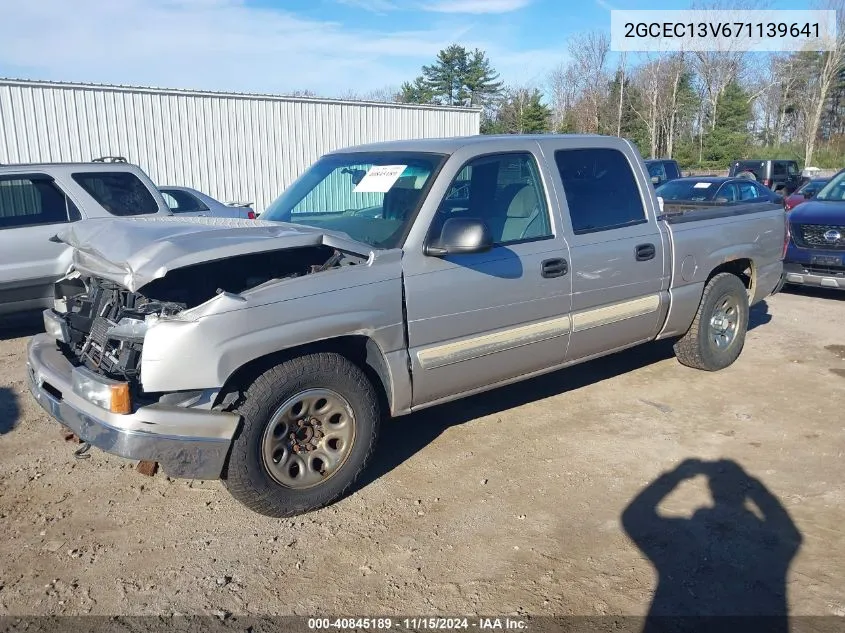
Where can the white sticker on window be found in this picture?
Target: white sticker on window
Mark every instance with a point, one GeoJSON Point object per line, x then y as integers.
{"type": "Point", "coordinates": [380, 178]}
{"type": "Point", "coordinates": [703, 185]}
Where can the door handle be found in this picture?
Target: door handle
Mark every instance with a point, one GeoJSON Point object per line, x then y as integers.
{"type": "Point", "coordinates": [645, 252]}
{"type": "Point", "coordinates": [554, 268]}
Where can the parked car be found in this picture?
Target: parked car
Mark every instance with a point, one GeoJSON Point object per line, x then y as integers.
{"type": "Point", "coordinates": [264, 352]}
{"type": "Point", "coordinates": [662, 170]}
{"type": "Point", "coordinates": [805, 192]}
{"type": "Point", "coordinates": [190, 202]}
{"type": "Point", "coordinates": [816, 253]}
{"type": "Point", "coordinates": [38, 200]}
{"type": "Point", "coordinates": [713, 190]}
{"type": "Point", "coordinates": [781, 176]}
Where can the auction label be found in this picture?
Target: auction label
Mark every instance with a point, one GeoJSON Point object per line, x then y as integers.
{"type": "Point", "coordinates": [380, 178]}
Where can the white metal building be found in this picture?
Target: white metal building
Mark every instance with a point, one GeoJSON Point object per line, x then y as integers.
{"type": "Point", "coordinates": [235, 147]}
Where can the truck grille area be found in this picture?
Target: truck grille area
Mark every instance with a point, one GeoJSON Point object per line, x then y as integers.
{"type": "Point", "coordinates": [813, 236]}
{"type": "Point", "coordinates": [92, 316]}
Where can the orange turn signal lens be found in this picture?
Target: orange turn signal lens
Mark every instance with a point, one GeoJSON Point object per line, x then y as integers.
{"type": "Point", "coordinates": [120, 401]}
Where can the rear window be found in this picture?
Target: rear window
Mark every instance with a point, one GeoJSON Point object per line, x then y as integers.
{"type": "Point", "coordinates": [756, 167]}
{"type": "Point", "coordinates": [119, 192]}
{"type": "Point", "coordinates": [33, 200]}
{"type": "Point", "coordinates": [601, 191]}
{"type": "Point", "coordinates": [181, 201]}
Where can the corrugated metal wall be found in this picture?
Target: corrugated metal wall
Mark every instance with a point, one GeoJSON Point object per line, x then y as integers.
{"type": "Point", "coordinates": [234, 147]}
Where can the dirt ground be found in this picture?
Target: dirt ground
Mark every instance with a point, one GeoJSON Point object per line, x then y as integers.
{"type": "Point", "coordinates": [510, 502]}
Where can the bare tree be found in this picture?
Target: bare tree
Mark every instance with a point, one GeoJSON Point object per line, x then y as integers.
{"type": "Point", "coordinates": [648, 80]}
{"type": "Point", "coordinates": [621, 71]}
{"type": "Point", "coordinates": [589, 52]}
{"type": "Point", "coordinates": [677, 70]}
{"type": "Point", "coordinates": [716, 69]}
{"type": "Point", "coordinates": [829, 68]}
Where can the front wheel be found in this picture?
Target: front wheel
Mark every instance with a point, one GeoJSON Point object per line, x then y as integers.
{"type": "Point", "coordinates": [309, 429]}
{"type": "Point", "coordinates": [717, 334]}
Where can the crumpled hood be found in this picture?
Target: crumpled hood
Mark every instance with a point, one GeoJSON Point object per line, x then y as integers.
{"type": "Point", "coordinates": [135, 251]}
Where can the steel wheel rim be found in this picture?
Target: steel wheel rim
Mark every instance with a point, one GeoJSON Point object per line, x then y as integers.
{"type": "Point", "coordinates": [308, 438]}
{"type": "Point", "coordinates": [725, 322]}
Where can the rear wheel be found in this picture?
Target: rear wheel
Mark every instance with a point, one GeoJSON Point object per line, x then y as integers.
{"type": "Point", "coordinates": [717, 334]}
{"type": "Point", "coordinates": [309, 429]}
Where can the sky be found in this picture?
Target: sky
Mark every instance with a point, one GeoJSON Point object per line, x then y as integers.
{"type": "Point", "coordinates": [330, 47]}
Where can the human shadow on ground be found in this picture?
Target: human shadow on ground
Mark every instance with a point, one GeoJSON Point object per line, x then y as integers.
{"type": "Point", "coordinates": [725, 563]}
{"type": "Point", "coordinates": [759, 315]}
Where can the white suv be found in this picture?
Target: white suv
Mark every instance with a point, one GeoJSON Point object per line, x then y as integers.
{"type": "Point", "coordinates": [36, 200]}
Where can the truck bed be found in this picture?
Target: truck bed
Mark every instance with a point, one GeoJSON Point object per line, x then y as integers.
{"type": "Point", "coordinates": [679, 211]}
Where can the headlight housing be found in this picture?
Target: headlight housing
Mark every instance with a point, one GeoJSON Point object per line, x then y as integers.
{"type": "Point", "coordinates": [55, 326]}
{"type": "Point", "coordinates": [111, 395]}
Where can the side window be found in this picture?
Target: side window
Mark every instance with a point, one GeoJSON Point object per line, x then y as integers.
{"type": "Point", "coordinates": [29, 201]}
{"type": "Point", "coordinates": [182, 202]}
{"type": "Point", "coordinates": [672, 170]}
{"type": "Point", "coordinates": [119, 192]}
{"type": "Point", "coordinates": [657, 169]}
{"type": "Point", "coordinates": [778, 169]}
{"type": "Point", "coordinates": [601, 191]}
{"type": "Point", "coordinates": [728, 192]}
{"type": "Point", "coordinates": [748, 191]}
{"type": "Point", "coordinates": [792, 169]}
{"type": "Point", "coordinates": [503, 190]}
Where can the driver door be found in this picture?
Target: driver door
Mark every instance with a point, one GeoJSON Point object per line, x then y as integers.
{"type": "Point", "coordinates": [475, 320]}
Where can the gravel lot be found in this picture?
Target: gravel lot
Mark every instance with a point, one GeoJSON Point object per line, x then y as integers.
{"type": "Point", "coordinates": [509, 502]}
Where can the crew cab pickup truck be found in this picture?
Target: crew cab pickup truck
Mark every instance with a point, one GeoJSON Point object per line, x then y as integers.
{"type": "Point", "coordinates": [38, 200]}
{"type": "Point", "coordinates": [388, 278]}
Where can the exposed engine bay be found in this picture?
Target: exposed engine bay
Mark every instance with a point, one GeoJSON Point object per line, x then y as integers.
{"type": "Point", "coordinates": [106, 322]}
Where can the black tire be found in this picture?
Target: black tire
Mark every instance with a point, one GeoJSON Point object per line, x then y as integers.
{"type": "Point", "coordinates": [698, 348]}
{"type": "Point", "coordinates": [246, 476]}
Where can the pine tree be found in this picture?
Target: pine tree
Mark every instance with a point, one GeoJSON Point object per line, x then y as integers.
{"type": "Point", "coordinates": [730, 138]}
{"type": "Point", "coordinates": [458, 77]}
{"type": "Point", "coordinates": [521, 111]}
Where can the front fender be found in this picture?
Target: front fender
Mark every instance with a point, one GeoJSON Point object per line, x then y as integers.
{"type": "Point", "coordinates": [203, 353]}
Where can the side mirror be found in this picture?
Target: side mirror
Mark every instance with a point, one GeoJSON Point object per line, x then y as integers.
{"type": "Point", "coordinates": [808, 195]}
{"type": "Point", "coordinates": [461, 236]}
{"type": "Point", "coordinates": [655, 180]}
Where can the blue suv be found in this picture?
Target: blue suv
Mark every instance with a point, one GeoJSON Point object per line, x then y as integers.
{"type": "Point", "coordinates": [816, 252]}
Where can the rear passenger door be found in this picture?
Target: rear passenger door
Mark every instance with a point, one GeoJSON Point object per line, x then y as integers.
{"type": "Point", "coordinates": [619, 269]}
{"type": "Point", "coordinates": [32, 210]}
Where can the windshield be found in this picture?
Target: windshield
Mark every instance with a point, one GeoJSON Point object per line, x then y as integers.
{"type": "Point", "coordinates": [834, 190]}
{"type": "Point", "coordinates": [812, 187]}
{"type": "Point", "coordinates": [698, 190]}
{"type": "Point", "coordinates": [370, 196]}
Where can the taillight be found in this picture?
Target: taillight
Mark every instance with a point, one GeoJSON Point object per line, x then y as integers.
{"type": "Point", "coordinates": [250, 215]}
{"type": "Point", "coordinates": [767, 182]}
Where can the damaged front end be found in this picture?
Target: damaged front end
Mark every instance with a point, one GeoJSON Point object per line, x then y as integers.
{"type": "Point", "coordinates": [105, 324]}
{"type": "Point", "coordinates": [100, 325]}
{"type": "Point", "coordinates": [129, 358]}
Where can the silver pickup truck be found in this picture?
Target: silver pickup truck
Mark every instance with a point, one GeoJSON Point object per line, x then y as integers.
{"type": "Point", "coordinates": [387, 279]}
